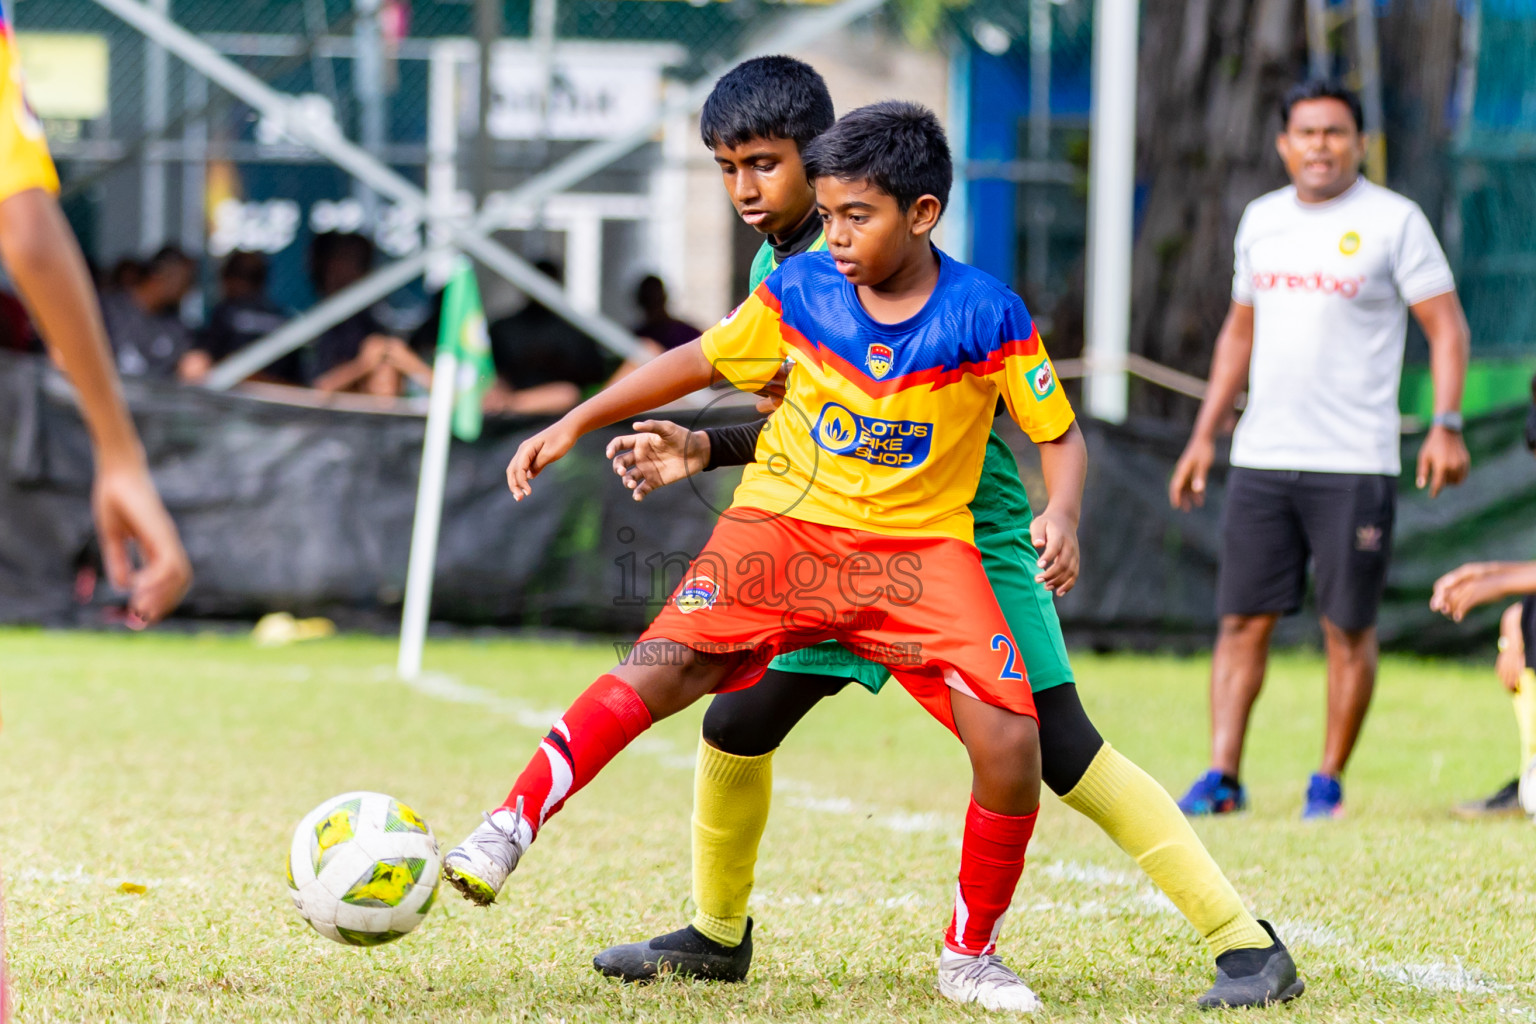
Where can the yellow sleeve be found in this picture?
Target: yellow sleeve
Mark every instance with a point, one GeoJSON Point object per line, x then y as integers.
{"type": "Point", "coordinates": [24, 160]}
{"type": "Point", "coordinates": [1033, 394]}
{"type": "Point", "coordinates": [747, 346]}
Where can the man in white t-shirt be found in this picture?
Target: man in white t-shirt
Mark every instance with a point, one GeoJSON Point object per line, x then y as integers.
{"type": "Point", "coordinates": [1326, 272]}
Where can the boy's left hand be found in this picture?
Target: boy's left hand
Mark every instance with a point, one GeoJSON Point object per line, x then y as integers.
{"type": "Point", "coordinates": [1056, 540]}
{"type": "Point", "coordinates": [543, 448]}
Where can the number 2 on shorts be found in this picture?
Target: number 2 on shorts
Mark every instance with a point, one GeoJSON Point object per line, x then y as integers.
{"type": "Point", "coordinates": [999, 642]}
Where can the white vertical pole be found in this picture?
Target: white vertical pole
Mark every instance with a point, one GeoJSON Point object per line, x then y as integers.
{"type": "Point", "coordinates": [152, 162]}
{"type": "Point", "coordinates": [584, 258]}
{"type": "Point", "coordinates": [1111, 206]}
{"type": "Point", "coordinates": [429, 515]}
{"type": "Point", "coordinates": [442, 157]}
{"type": "Point", "coordinates": [956, 225]}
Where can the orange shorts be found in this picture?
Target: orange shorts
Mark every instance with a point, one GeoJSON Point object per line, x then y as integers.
{"type": "Point", "coordinates": [922, 606]}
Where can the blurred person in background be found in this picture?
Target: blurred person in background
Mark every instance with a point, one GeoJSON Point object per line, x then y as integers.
{"type": "Point", "coordinates": [338, 260]}
{"type": "Point", "coordinates": [50, 273]}
{"type": "Point", "coordinates": [1326, 272]}
{"type": "Point", "coordinates": [659, 331]}
{"type": "Point", "coordinates": [243, 314]}
{"type": "Point", "coordinates": [544, 365]}
{"type": "Point", "coordinates": [125, 274]}
{"type": "Point", "coordinates": [16, 331]}
{"type": "Point", "coordinates": [143, 321]}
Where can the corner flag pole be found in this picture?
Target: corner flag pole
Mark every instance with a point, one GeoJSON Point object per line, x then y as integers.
{"type": "Point", "coordinates": [429, 514]}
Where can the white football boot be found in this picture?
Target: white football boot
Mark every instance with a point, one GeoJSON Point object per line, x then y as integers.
{"type": "Point", "coordinates": [986, 981]}
{"type": "Point", "coordinates": [478, 867]}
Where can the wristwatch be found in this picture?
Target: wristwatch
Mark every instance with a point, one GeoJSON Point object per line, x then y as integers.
{"type": "Point", "coordinates": [1449, 420]}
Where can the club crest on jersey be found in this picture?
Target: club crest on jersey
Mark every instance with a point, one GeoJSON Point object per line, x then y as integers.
{"type": "Point", "coordinates": [879, 358]}
{"type": "Point", "coordinates": [698, 593]}
{"type": "Point", "coordinates": [1042, 381]}
{"type": "Point", "coordinates": [1350, 243]}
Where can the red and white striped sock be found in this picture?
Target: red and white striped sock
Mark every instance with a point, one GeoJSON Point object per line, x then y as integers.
{"type": "Point", "coordinates": [603, 721]}
{"type": "Point", "coordinates": [991, 861]}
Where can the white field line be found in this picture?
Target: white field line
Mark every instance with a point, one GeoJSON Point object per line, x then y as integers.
{"type": "Point", "coordinates": [1437, 976]}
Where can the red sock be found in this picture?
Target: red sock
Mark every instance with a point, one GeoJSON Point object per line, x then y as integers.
{"type": "Point", "coordinates": [991, 861]}
{"type": "Point", "coordinates": [603, 721]}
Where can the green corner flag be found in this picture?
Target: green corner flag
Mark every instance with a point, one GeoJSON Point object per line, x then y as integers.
{"type": "Point", "coordinates": [463, 334]}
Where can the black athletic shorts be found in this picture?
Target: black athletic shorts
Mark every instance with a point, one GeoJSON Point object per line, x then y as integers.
{"type": "Point", "coordinates": [1275, 520]}
{"type": "Point", "coordinates": [1528, 630]}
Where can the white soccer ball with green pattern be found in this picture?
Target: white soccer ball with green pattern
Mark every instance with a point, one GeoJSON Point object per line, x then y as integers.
{"type": "Point", "coordinates": [363, 869]}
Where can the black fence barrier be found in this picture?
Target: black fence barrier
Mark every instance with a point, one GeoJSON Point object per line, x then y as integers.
{"type": "Point", "coordinates": [308, 510]}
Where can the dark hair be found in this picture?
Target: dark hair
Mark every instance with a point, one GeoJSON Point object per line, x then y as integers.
{"type": "Point", "coordinates": [896, 146]}
{"type": "Point", "coordinates": [337, 245]}
{"type": "Point", "coordinates": [767, 98]}
{"type": "Point", "coordinates": [650, 291]}
{"type": "Point", "coordinates": [165, 258]}
{"type": "Point", "coordinates": [246, 266]}
{"type": "Point", "coordinates": [1321, 89]}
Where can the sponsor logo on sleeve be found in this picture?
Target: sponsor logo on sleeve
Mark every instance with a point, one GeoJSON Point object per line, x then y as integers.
{"type": "Point", "coordinates": [1042, 381]}
{"type": "Point", "coordinates": [725, 320]}
{"type": "Point", "coordinates": [901, 444]}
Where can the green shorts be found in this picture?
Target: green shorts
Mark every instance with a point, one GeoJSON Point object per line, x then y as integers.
{"type": "Point", "coordinates": [1002, 536]}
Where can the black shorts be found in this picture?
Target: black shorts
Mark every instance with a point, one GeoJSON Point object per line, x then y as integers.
{"type": "Point", "coordinates": [1274, 520]}
{"type": "Point", "coordinates": [1528, 630]}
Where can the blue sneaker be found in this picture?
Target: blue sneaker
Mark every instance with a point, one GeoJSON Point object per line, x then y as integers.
{"type": "Point", "coordinates": [1214, 793]}
{"type": "Point", "coordinates": [1325, 798]}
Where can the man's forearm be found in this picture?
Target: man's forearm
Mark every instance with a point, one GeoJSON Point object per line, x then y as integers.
{"type": "Point", "coordinates": [50, 274]}
{"type": "Point", "coordinates": [1064, 465]}
{"type": "Point", "coordinates": [664, 379]}
{"type": "Point", "coordinates": [1229, 371]}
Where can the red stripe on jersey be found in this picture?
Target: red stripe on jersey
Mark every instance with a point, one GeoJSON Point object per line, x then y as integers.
{"type": "Point", "coordinates": [937, 377]}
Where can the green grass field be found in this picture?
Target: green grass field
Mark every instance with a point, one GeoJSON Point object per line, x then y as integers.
{"type": "Point", "coordinates": [182, 763]}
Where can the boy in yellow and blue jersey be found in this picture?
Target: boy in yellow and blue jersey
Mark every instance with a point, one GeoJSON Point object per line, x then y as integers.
{"type": "Point", "coordinates": [857, 532]}
{"type": "Point", "coordinates": [755, 122]}
{"type": "Point", "coordinates": [48, 270]}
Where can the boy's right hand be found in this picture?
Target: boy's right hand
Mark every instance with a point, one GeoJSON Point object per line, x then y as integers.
{"type": "Point", "coordinates": [129, 511]}
{"type": "Point", "coordinates": [662, 453]}
{"type": "Point", "coordinates": [543, 448]}
{"type": "Point", "coordinates": [1187, 487]}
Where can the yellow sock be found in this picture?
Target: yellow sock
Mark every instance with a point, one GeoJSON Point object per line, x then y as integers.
{"type": "Point", "coordinates": [1525, 716]}
{"type": "Point", "coordinates": [1143, 820]}
{"type": "Point", "coordinates": [730, 811]}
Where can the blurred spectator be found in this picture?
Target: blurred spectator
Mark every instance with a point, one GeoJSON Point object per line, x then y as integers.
{"type": "Point", "coordinates": [125, 274]}
{"type": "Point", "coordinates": [243, 314]}
{"type": "Point", "coordinates": [359, 354]}
{"type": "Point", "coordinates": [338, 260]}
{"type": "Point", "coordinates": [16, 332]}
{"type": "Point", "coordinates": [544, 364]}
{"type": "Point", "coordinates": [148, 339]}
{"type": "Point", "coordinates": [658, 327]}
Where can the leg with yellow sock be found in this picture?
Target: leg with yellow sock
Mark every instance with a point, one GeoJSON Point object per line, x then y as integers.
{"type": "Point", "coordinates": [1253, 967]}
{"type": "Point", "coordinates": [732, 787]}
{"type": "Point", "coordinates": [1515, 650]}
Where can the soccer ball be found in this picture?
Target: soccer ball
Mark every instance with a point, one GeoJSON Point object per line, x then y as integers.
{"type": "Point", "coordinates": [1528, 789]}
{"type": "Point", "coordinates": [363, 869]}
